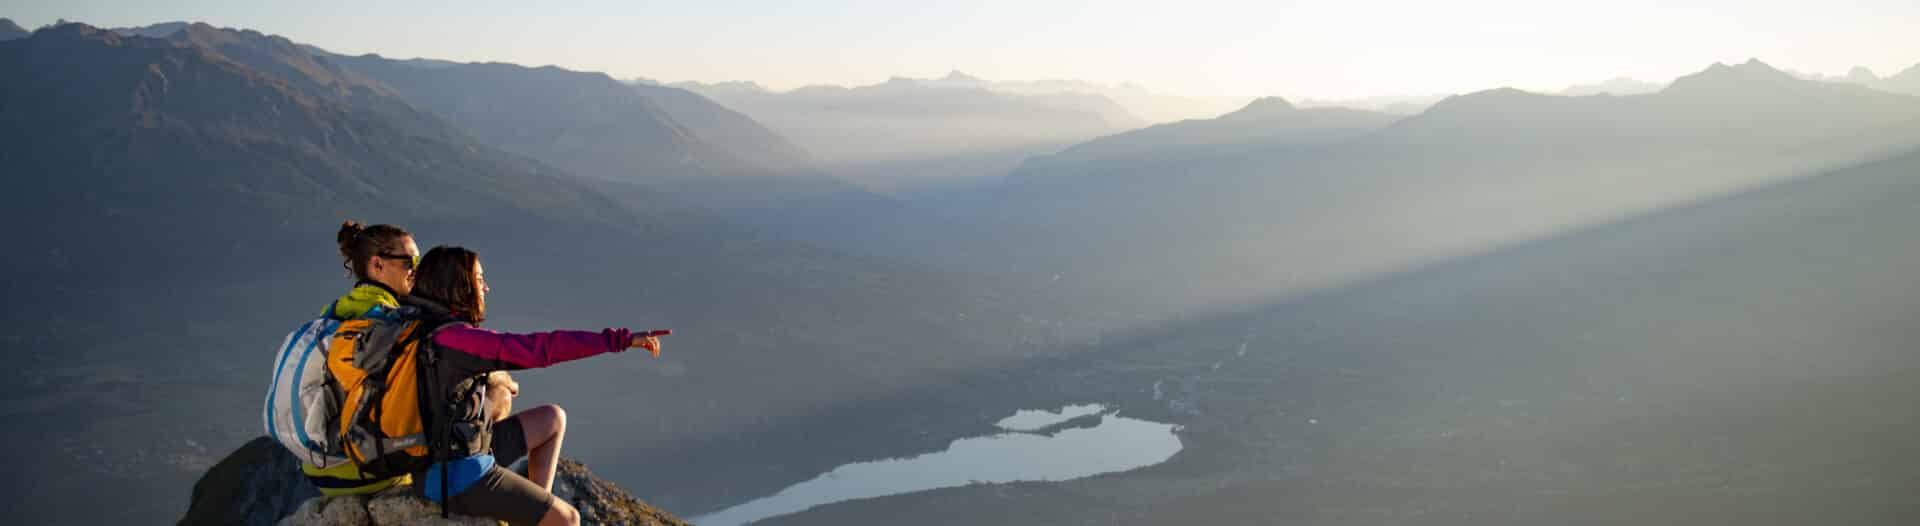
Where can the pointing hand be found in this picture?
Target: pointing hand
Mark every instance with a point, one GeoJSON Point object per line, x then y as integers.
{"type": "Point", "coordinates": [649, 340]}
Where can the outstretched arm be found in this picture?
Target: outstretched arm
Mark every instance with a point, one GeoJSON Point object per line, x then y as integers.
{"type": "Point", "coordinates": [531, 350]}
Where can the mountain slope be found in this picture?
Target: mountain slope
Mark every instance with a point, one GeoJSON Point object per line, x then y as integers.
{"type": "Point", "coordinates": [273, 55]}
{"type": "Point", "coordinates": [729, 130]}
{"type": "Point", "coordinates": [115, 104]}
{"type": "Point", "coordinates": [769, 176]}
{"type": "Point", "coordinates": [585, 123]}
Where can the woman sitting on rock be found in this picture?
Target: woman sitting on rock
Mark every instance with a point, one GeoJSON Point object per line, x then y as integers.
{"type": "Point", "coordinates": [380, 259]}
{"type": "Point", "coordinates": [473, 451]}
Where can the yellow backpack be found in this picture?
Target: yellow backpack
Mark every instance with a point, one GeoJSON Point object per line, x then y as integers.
{"type": "Point", "coordinates": [376, 362]}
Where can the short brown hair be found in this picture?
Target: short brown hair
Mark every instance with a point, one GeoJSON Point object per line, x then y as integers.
{"type": "Point", "coordinates": [446, 275]}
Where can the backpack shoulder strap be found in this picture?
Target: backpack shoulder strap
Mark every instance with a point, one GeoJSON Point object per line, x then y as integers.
{"type": "Point", "coordinates": [424, 332]}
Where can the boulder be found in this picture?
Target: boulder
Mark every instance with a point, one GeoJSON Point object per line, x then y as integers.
{"type": "Point", "coordinates": [261, 484]}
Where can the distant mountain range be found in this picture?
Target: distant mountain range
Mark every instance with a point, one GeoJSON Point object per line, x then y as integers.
{"type": "Point", "coordinates": [1614, 86]}
{"type": "Point", "coordinates": [1906, 81]}
{"type": "Point", "coordinates": [907, 118]}
{"type": "Point", "coordinates": [1413, 104]}
{"type": "Point", "coordinates": [1394, 104]}
{"type": "Point", "coordinates": [1166, 213]}
{"type": "Point", "coordinates": [1150, 106]}
{"type": "Point", "coordinates": [909, 137]}
{"type": "Point", "coordinates": [1265, 123]}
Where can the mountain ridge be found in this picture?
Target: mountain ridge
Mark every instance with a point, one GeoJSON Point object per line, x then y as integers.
{"type": "Point", "coordinates": [10, 30]}
{"type": "Point", "coordinates": [625, 135]}
{"type": "Point", "coordinates": [1263, 107]}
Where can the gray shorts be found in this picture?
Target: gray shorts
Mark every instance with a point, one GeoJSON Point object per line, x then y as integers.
{"type": "Point", "coordinates": [504, 495]}
{"type": "Point", "coordinates": [501, 493]}
{"type": "Point", "coordinates": [509, 441]}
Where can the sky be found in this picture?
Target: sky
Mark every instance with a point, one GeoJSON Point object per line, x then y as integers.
{"type": "Point", "coordinates": [1322, 50]}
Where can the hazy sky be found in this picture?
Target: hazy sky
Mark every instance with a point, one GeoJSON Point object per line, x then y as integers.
{"type": "Point", "coordinates": [1327, 49]}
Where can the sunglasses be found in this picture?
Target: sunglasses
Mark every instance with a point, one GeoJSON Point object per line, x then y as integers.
{"type": "Point", "coordinates": [412, 261]}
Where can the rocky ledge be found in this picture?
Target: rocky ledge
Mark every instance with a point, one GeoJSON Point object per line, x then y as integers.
{"type": "Point", "coordinates": [260, 484]}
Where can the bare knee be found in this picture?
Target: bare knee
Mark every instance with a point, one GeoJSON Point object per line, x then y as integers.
{"type": "Point", "coordinates": [559, 513]}
{"type": "Point", "coordinates": [559, 419]}
{"type": "Point", "coordinates": [543, 422]}
{"type": "Point", "coordinates": [556, 420]}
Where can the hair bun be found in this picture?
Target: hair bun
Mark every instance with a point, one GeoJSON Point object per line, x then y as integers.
{"type": "Point", "coordinates": [348, 231]}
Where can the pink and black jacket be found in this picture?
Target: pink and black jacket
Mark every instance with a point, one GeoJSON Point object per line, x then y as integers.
{"type": "Point", "coordinates": [458, 357]}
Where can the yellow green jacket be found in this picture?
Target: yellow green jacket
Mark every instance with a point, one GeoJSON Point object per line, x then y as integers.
{"type": "Point", "coordinates": [363, 298]}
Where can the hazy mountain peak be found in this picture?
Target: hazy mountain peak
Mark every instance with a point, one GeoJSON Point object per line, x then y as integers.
{"type": "Point", "coordinates": [1906, 81]}
{"type": "Point", "coordinates": [1615, 86]}
{"type": "Point", "coordinates": [1491, 96]}
{"type": "Point", "coordinates": [957, 76]}
{"type": "Point", "coordinates": [731, 87]}
{"type": "Point", "coordinates": [75, 32]}
{"type": "Point", "coordinates": [274, 55]}
{"type": "Point", "coordinates": [205, 34]}
{"type": "Point", "coordinates": [1487, 103]}
{"type": "Point", "coordinates": [1262, 107]}
{"type": "Point", "coordinates": [160, 30]}
{"type": "Point", "coordinates": [1720, 76]}
{"type": "Point", "coordinates": [10, 30]}
{"type": "Point", "coordinates": [1861, 74]}
{"type": "Point", "coordinates": [1754, 65]}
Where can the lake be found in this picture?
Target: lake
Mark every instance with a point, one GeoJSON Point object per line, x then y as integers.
{"type": "Point", "coordinates": [1026, 452]}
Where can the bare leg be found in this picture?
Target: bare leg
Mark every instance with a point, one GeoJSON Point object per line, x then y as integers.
{"type": "Point", "coordinates": [559, 513]}
{"type": "Point", "coordinates": [546, 427]}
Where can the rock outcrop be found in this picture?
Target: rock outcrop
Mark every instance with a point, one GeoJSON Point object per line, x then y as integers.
{"type": "Point", "coordinates": [256, 484]}
{"type": "Point", "coordinates": [392, 507]}
{"type": "Point", "coordinates": [601, 502]}
{"type": "Point", "coordinates": [260, 484]}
